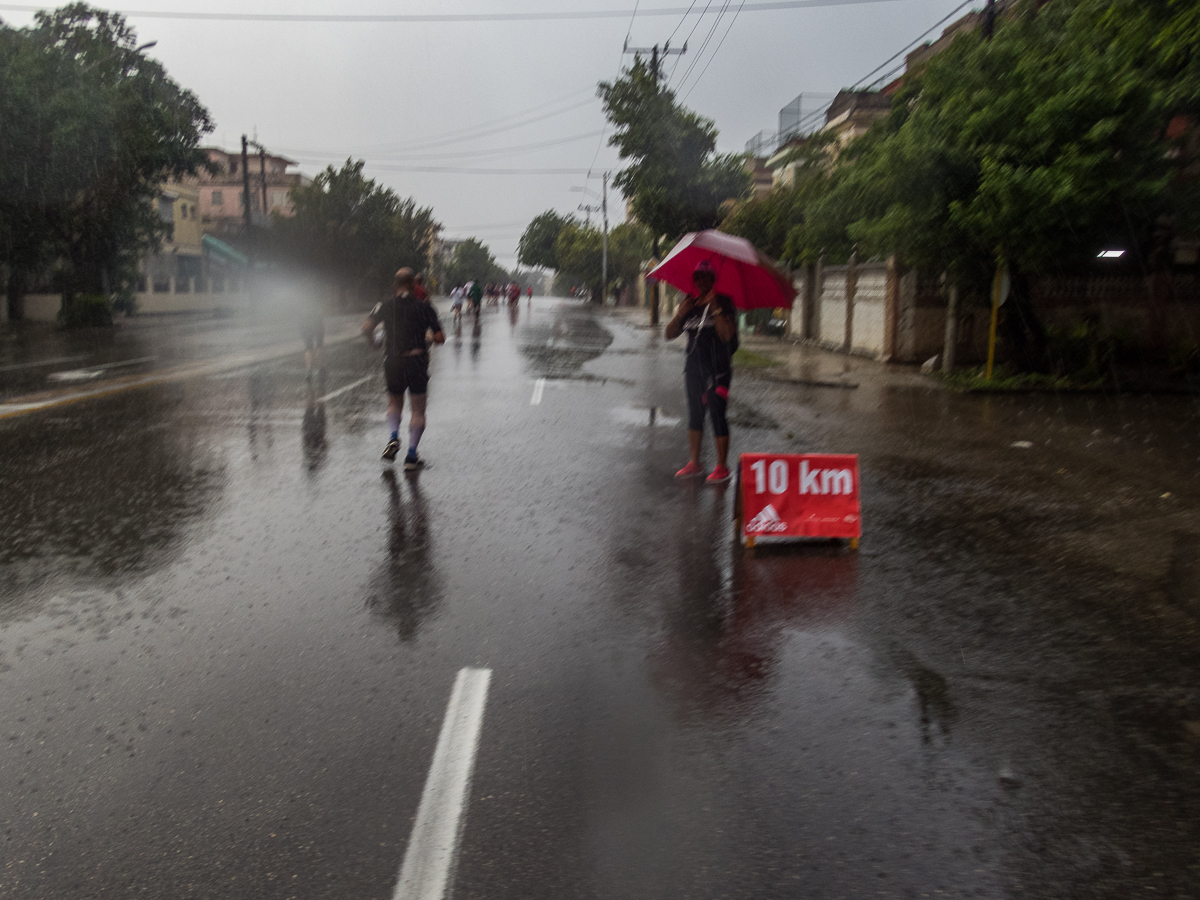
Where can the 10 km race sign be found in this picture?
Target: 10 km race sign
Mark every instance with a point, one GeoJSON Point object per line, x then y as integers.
{"type": "Point", "coordinates": [791, 496]}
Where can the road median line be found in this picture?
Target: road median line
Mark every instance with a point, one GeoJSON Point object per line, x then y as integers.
{"type": "Point", "coordinates": [432, 852]}
{"type": "Point", "coordinates": [32, 403]}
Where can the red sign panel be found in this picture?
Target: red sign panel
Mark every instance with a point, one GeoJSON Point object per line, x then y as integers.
{"type": "Point", "coordinates": [800, 495]}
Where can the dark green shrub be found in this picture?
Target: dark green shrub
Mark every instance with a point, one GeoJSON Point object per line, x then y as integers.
{"type": "Point", "coordinates": [87, 311]}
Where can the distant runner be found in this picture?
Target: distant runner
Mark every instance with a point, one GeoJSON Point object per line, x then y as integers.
{"type": "Point", "coordinates": [406, 362]}
{"type": "Point", "coordinates": [456, 302]}
{"type": "Point", "coordinates": [475, 292]}
{"type": "Point", "coordinates": [312, 332]}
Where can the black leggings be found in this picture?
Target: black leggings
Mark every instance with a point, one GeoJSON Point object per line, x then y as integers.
{"type": "Point", "coordinates": [711, 392]}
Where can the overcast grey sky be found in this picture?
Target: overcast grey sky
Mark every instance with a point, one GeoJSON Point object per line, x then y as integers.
{"type": "Point", "coordinates": [418, 94]}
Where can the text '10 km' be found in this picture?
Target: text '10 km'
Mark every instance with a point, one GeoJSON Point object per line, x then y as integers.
{"type": "Point", "coordinates": [815, 481]}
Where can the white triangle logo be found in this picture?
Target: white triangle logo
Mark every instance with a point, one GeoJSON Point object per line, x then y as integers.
{"type": "Point", "coordinates": [767, 520]}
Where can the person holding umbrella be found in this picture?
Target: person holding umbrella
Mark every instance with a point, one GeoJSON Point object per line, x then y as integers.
{"type": "Point", "coordinates": [709, 320]}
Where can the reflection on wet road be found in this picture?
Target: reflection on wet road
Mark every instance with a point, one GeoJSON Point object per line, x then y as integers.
{"type": "Point", "coordinates": [228, 634]}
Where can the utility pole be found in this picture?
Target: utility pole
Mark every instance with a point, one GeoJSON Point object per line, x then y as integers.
{"type": "Point", "coordinates": [655, 60]}
{"type": "Point", "coordinates": [604, 250]}
{"type": "Point", "coordinates": [246, 188]}
{"type": "Point", "coordinates": [587, 209]}
{"type": "Point", "coordinates": [989, 20]}
{"type": "Point", "coordinates": [656, 57]}
{"type": "Point", "coordinates": [262, 172]}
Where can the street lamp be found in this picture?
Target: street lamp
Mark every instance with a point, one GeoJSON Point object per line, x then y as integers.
{"type": "Point", "coordinates": [145, 46]}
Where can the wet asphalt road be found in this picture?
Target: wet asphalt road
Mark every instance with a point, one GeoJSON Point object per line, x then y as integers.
{"type": "Point", "coordinates": [228, 635]}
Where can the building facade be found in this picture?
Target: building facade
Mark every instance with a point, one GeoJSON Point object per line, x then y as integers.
{"type": "Point", "coordinates": [222, 202]}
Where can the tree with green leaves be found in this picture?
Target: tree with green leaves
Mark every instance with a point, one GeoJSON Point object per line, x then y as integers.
{"type": "Point", "coordinates": [674, 178]}
{"type": "Point", "coordinates": [580, 250]}
{"type": "Point", "coordinates": [352, 231]}
{"type": "Point", "coordinates": [537, 245]}
{"type": "Point", "coordinates": [91, 129]}
{"type": "Point", "coordinates": [473, 261]}
{"type": "Point", "coordinates": [768, 220]}
{"type": "Point", "coordinates": [1033, 149]}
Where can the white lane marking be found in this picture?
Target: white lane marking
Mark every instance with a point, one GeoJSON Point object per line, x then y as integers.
{"type": "Point", "coordinates": [343, 390]}
{"type": "Point", "coordinates": [539, 387]}
{"type": "Point", "coordinates": [43, 362]}
{"type": "Point", "coordinates": [95, 371]}
{"type": "Point", "coordinates": [36, 403]}
{"type": "Point", "coordinates": [433, 846]}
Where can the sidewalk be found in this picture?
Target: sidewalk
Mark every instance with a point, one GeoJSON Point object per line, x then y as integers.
{"type": "Point", "coordinates": [805, 364]}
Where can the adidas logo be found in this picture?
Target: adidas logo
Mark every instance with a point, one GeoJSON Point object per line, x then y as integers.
{"type": "Point", "coordinates": [766, 521]}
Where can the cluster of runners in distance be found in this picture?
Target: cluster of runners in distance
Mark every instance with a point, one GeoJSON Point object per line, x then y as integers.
{"type": "Point", "coordinates": [475, 292]}
{"type": "Point", "coordinates": [410, 322]}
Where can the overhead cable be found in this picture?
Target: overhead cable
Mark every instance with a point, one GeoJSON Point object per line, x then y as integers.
{"type": "Point", "coordinates": [413, 18]}
{"type": "Point", "coordinates": [700, 53]}
{"type": "Point", "coordinates": [429, 145]}
{"type": "Point", "coordinates": [720, 44]}
{"type": "Point", "coordinates": [813, 116]}
{"type": "Point", "coordinates": [465, 132]}
{"type": "Point", "coordinates": [460, 170]}
{"type": "Point", "coordinates": [465, 154]}
{"type": "Point", "coordinates": [954, 12]}
{"type": "Point", "coordinates": [695, 25]}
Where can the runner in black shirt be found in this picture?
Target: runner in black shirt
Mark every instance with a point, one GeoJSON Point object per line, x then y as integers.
{"type": "Point", "coordinates": [405, 320]}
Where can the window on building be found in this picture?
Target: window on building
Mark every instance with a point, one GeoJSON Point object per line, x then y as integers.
{"type": "Point", "coordinates": [218, 199]}
{"type": "Point", "coordinates": [233, 167]}
{"type": "Point", "coordinates": [166, 209]}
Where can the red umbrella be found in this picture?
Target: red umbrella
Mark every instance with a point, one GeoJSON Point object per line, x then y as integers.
{"type": "Point", "coordinates": [743, 273]}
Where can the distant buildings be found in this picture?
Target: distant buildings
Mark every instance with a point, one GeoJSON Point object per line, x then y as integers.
{"type": "Point", "coordinates": [222, 205]}
{"type": "Point", "coordinates": [206, 253]}
{"type": "Point", "coordinates": [852, 112]}
{"type": "Point", "coordinates": [179, 262]}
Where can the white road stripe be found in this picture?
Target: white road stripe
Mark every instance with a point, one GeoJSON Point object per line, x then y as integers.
{"type": "Point", "coordinates": [42, 363]}
{"type": "Point", "coordinates": [342, 390]}
{"type": "Point", "coordinates": [96, 371]}
{"type": "Point", "coordinates": [432, 850]}
{"type": "Point", "coordinates": [539, 387]}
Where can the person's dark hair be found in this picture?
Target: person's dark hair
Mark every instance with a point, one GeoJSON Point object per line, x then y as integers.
{"type": "Point", "coordinates": [403, 279]}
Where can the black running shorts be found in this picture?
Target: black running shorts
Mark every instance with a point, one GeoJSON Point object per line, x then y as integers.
{"type": "Point", "coordinates": [408, 373]}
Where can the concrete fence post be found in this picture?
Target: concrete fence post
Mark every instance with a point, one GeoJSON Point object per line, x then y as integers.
{"type": "Point", "coordinates": [851, 290]}
{"type": "Point", "coordinates": [950, 341]}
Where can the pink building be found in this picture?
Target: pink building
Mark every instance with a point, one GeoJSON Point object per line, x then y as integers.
{"type": "Point", "coordinates": [222, 206]}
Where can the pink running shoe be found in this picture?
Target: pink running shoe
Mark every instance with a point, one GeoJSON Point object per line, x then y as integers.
{"type": "Point", "coordinates": [691, 470]}
{"type": "Point", "coordinates": [719, 475]}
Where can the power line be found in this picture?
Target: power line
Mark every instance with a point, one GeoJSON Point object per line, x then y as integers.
{"type": "Point", "coordinates": [681, 21]}
{"type": "Point", "coordinates": [700, 53]}
{"type": "Point", "coordinates": [629, 31]}
{"type": "Point", "coordinates": [481, 131]}
{"type": "Point", "coordinates": [954, 12]}
{"type": "Point", "coordinates": [456, 133]}
{"type": "Point", "coordinates": [815, 114]}
{"type": "Point", "coordinates": [466, 154]}
{"type": "Point", "coordinates": [720, 44]}
{"type": "Point", "coordinates": [546, 16]}
{"type": "Point", "coordinates": [460, 170]}
{"type": "Point", "coordinates": [700, 18]}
